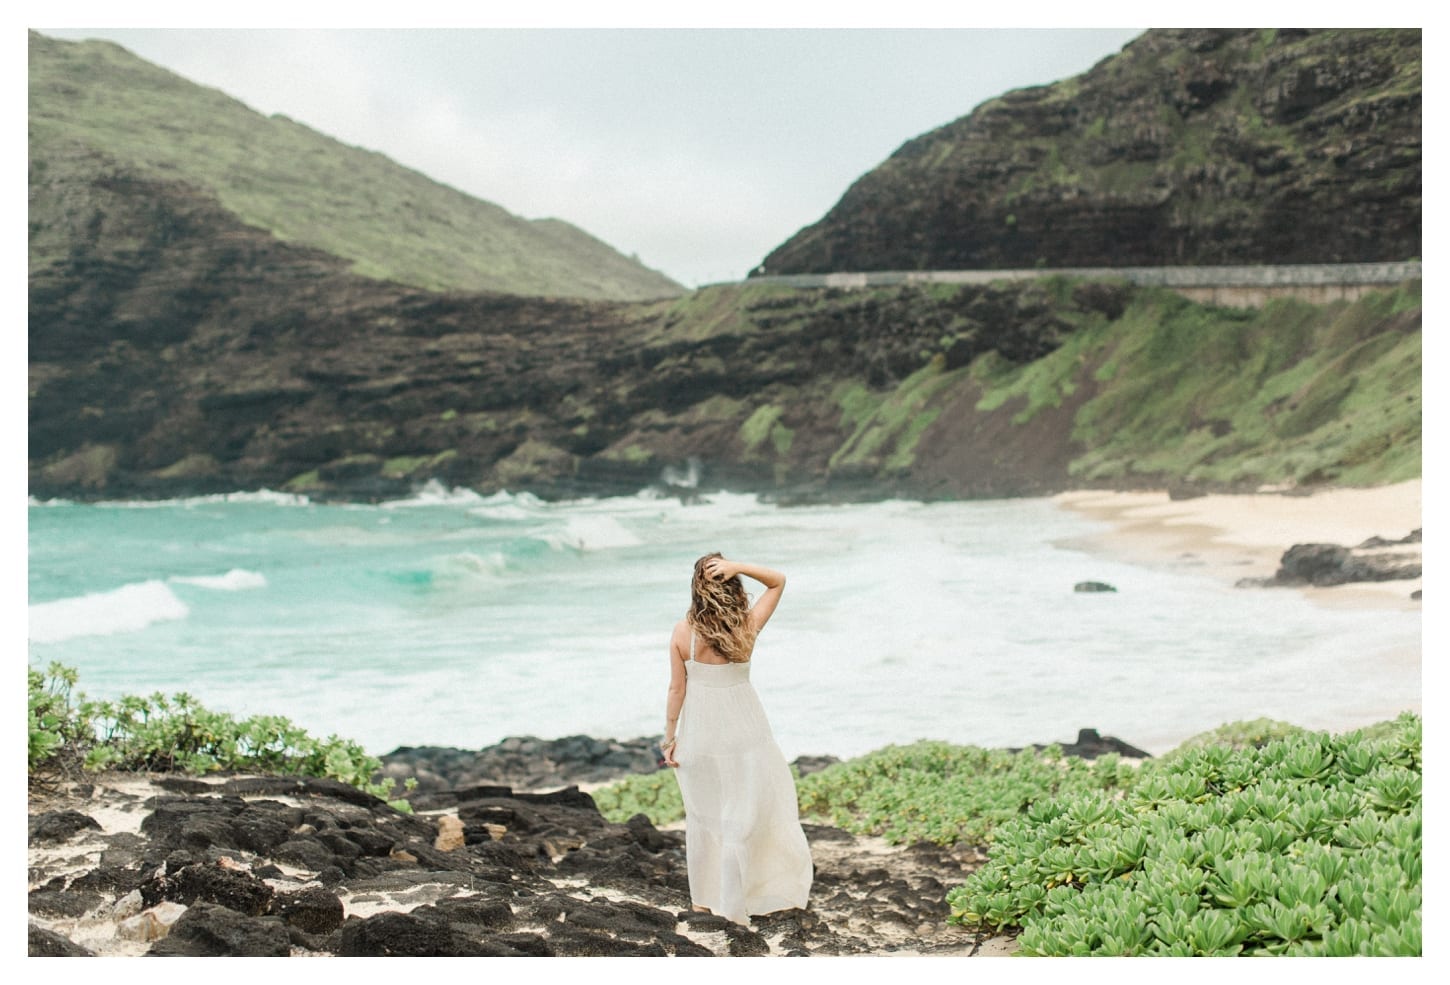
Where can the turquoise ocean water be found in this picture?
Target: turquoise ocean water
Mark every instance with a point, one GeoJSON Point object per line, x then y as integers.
{"type": "Point", "coordinates": [454, 619]}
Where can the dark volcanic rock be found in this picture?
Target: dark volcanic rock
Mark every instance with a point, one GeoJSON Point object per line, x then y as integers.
{"type": "Point", "coordinates": [44, 943]}
{"type": "Point", "coordinates": [64, 903]}
{"type": "Point", "coordinates": [1331, 564]}
{"type": "Point", "coordinates": [1413, 537]}
{"type": "Point", "coordinates": [237, 891]}
{"type": "Point", "coordinates": [597, 945]}
{"type": "Point", "coordinates": [300, 786]}
{"type": "Point", "coordinates": [305, 852]}
{"type": "Point", "coordinates": [1093, 586]}
{"type": "Point", "coordinates": [524, 945]}
{"type": "Point", "coordinates": [1091, 745]}
{"type": "Point", "coordinates": [448, 777]}
{"type": "Point", "coordinates": [474, 911]}
{"type": "Point", "coordinates": [649, 837]}
{"type": "Point", "coordinates": [556, 879]}
{"type": "Point", "coordinates": [805, 765]}
{"type": "Point", "coordinates": [60, 825]}
{"type": "Point", "coordinates": [519, 762]}
{"type": "Point", "coordinates": [313, 910]}
{"type": "Point", "coordinates": [744, 942]}
{"type": "Point", "coordinates": [261, 827]}
{"type": "Point", "coordinates": [406, 935]}
{"type": "Point", "coordinates": [208, 930]}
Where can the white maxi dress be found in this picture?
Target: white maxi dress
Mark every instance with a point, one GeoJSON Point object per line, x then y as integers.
{"type": "Point", "coordinates": [744, 847]}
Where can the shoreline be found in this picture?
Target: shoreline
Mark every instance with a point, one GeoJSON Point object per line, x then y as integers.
{"type": "Point", "coordinates": [1233, 536]}
{"type": "Point", "coordinates": [1227, 537]}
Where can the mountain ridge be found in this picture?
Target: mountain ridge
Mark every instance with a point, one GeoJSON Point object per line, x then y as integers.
{"type": "Point", "coordinates": [390, 221]}
{"type": "Point", "coordinates": [1191, 146]}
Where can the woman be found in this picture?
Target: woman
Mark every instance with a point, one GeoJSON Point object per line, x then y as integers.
{"type": "Point", "coordinates": [744, 847]}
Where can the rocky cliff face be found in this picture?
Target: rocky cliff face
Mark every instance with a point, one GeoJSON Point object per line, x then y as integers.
{"type": "Point", "coordinates": [1189, 147]}
{"type": "Point", "coordinates": [175, 349]}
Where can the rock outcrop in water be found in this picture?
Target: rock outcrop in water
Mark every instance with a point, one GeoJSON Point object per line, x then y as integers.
{"type": "Point", "coordinates": [1322, 565]}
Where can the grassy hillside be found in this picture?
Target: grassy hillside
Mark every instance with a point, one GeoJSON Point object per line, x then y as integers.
{"type": "Point", "coordinates": [1140, 387]}
{"type": "Point", "coordinates": [303, 187]}
{"type": "Point", "coordinates": [1290, 393]}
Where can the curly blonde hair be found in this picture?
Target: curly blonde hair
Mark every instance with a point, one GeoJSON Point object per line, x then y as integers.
{"type": "Point", "coordinates": [720, 612]}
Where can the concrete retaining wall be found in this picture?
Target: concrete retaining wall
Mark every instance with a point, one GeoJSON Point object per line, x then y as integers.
{"type": "Point", "coordinates": [1247, 286]}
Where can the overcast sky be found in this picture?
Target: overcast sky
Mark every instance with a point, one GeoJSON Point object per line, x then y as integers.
{"type": "Point", "coordinates": [699, 150]}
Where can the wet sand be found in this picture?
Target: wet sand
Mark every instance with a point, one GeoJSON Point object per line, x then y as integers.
{"type": "Point", "coordinates": [1243, 536]}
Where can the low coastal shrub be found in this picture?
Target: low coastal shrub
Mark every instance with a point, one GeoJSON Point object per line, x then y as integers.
{"type": "Point", "coordinates": [655, 795]}
{"type": "Point", "coordinates": [1307, 845]}
{"type": "Point", "coordinates": [176, 733]}
{"type": "Point", "coordinates": [1257, 838]}
{"type": "Point", "coordinates": [56, 729]}
{"type": "Point", "coordinates": [1239, 735]}
{"type": "Point", "coordinates": [926, 791]}
{"type": "Point", "coordinates": [944, 793]}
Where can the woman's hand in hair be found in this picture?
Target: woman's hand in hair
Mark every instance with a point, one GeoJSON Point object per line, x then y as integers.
{"type": "Point", "coordinates": [720, 568]}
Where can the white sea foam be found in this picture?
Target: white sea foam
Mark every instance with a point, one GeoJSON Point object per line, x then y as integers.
{"type": "Point", "coordinates": [434, 493]}
{"type": "Point", "coordinates": [508, 506]}
{"type": "Point", "coordinates": [121, 610]}
{"type": "Point", "coordinates": [470, 564]}
{"type": "Point", "coordinates": [32, 501]}
{"type": "Point", "coordinates": [234, 580]}
{"type": "Point", "coordinates": [265, 496]}
{"type": "Point", "coordinates": [592, 533]}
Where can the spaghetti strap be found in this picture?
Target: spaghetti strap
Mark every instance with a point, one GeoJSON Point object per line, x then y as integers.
{"type": "Point", "coordinates": [692, 644]}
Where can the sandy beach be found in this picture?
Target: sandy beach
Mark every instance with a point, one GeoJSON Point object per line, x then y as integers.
{"type": "Point", "coordinates": [1244, 536]}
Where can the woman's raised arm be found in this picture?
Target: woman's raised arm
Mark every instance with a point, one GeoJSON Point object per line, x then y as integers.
{"type": "Point", "coordinates": [774, 582]}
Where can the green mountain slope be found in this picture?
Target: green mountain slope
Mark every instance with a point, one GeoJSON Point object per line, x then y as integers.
{"type": "Point", "coordinates": [1178, 394]}
{"type": "Point", "coordinates": [1190, 147]}
{"type": "Point", "coordinates": [95, 101]}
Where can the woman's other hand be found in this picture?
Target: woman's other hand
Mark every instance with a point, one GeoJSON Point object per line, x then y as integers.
{"type": "Point", "coordinates": [667, 754]}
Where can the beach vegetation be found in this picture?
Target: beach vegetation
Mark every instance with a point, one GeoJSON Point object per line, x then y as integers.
{"type": "Point", "coordinates": [55, 728]}
{"type": "Point", "coordinates": [1238, 735]}
{"type": "Point", "coordinates": [160, 733]}
{"type": "Point", "coordinates": [1256, 838]}
{"type": "Point", "coordinates": [655, 795]}
{"type": "Point", "coordinates": [1310, 844]}
{"type": "Point", "coordinates": [948, 794]}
